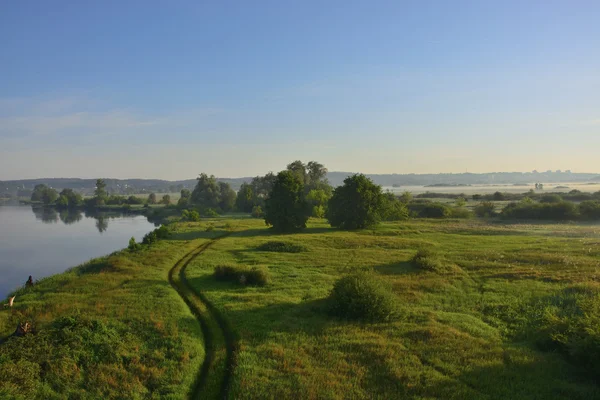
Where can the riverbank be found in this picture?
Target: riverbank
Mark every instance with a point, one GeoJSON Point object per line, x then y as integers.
{"type": "Point", "coordinates": [464, 328]}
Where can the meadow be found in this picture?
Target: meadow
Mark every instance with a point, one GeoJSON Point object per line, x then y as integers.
{"type": "Point", "coordinates": [483, 323]}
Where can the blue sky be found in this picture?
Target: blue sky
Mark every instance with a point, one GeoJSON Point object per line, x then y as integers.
{"type": "Point", "coordinates": [172, 89]}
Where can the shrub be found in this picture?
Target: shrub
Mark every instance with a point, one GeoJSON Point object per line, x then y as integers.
{"type": "Point", "coordinates": [428, 260]}
{"type": "Point", "coordinates": [190, 215]}
{"type": "Point", "coordinates": [570, 324]}
{"type": "Point", "coordinates": [394, 209]}
{"type": "Point", "coordinates": [460, 212]}
{"type": "Point", "coordinates": [209, 228]}
{"type": "Point", "coordinates": [133, 245]}
{"type": "Point", "coordinates": [435, 210]}
{"type": "Point", "coordinates": [545, 211]}
{"type": "Point", "coordinates": [590, 210]}
{"type": "Point", "coordinates": [551, 198]}
{"type": "Point", "coordinates": [281, 247]}
{"type": "Point", "coordinates": [211, 213]}
{"type": "Point", "coordinates": [362, 296]}
{"type": "Point", "coordinates": [257, 212]}
{"type": "Point", "coordinates": [485, 209]}
{"type": "Point", "coordinates": [159, 233]}
{"type": "Point", "coordinates": [255, 276]}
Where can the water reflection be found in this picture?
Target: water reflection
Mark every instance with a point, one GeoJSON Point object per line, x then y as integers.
{"type": "Point", "coordinates": [101, 224]}
{"type": "Point", "coordinates": [45, 214]}
{"type": "Point", "coordinates": [49, 215]}
{"type": "Point", "coordinates": [69, 217]}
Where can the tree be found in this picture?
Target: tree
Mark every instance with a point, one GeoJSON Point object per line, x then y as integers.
{"type": "Point", "coordinates": [313, 175]}
{"type": "Point", "coordinates": [184, 200]}
{"type": "Point", "coordinates": [299, 169]}
{"type": "Point", "coordinates": [100, 194]}
{"type": "Point", "coordinates": [286, 208]}
{"type": "Point", "coordinates": [152, 198]}
{"type": "Point", "coordinates": [166, 200]}
{"type": "Point", "coordinates": [357, 204]}
{"type": "Point", "coordinates": [317, 199]}
{"type": "Point", "coordinates": [68, 198]}
{"type": "Point", "coordinates": [206, 193]}
{"type": "Point", "coordinates": [244, 201]}
{"type": "Point", "coordinates": [226, 197]}
{"type": "Point", "coordinates": [44, 194]}
{"type": "Point", "coordinates": [100, 191]}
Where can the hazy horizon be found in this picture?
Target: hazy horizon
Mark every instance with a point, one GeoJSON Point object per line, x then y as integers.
{"type": "Point", "coordinates": [282, 168]}
{"type": "Point", "coordinates": [165, 91]}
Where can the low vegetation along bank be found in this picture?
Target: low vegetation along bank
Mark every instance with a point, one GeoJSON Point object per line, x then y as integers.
{"type": "Point", "coordinates": [414, 309]}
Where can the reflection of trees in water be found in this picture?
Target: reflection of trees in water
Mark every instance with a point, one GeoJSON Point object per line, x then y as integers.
{"type": "Point", "coordinates": [49, 215]}
{"type": "Point", "coordinates": [101, 224]}
{"type": "Point", "coordinates": [101, 218]}
{"type": "Point", "coordinates": [69, 217]}
{"type": "Point", "coordinates": [45, 214]}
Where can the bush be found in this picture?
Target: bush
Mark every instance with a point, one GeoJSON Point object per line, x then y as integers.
{"type": "Point", "coordinates": [435, 210]}
{"type": "Point", "coordinates": [394, 209]}
{"type": "Point", "coordinates": [257, 212]}
{"type": "Point", "coordinates": [428, 260]}
{"type": "Point", "coordinates": [255, 276]}
{"type": "Point", "coordinates": [362, 296]}
{"type": "Point", "coordinates": [570, 324]}
{"type": "Point", "coordinates": [460, 212]}
{"type": "Point", "coordinates": [190, 215]}
{"type": "Point", "coordinates": [590, 210]}
{"type": "Point", "coordinates": [159, 233]}
{"type": "Point", "coordinates": [133, 245]}
{"type": "Point", "coordinates": [562, 211]}
{"type": "Point", "coordinates": [485, 209]}
{"type": "Point", "coordinates": [281, 247]}
{"type": "Point", "coordinates": [551, 198]}
{"type": "Point", "coordinates": [211, 213]}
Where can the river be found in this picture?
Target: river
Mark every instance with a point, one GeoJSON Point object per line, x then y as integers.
{"type": "Point", "coordinates": [42, 242]}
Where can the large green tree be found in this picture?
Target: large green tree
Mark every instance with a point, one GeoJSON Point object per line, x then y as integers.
{"type": "Point", "coordinates": [100, 194]}
{"type": "Point", "coordinates": [313, 175]}
{"type": "Point", "coordinates": [226, 197]}
{"type": "Point", "coordinates": [245, 198]}
{"type": "Point", "coordinates": [206, 194]}
{"type": "Point", "coordinates": [44, 194]}
{"type": "Point", "coordinates": [286, 207]}
{"type": "Point", "coordinates": [68, 198]}
{"type": "Point", "coordinates": [357, 204]}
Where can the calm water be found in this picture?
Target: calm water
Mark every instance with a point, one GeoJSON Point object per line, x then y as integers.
{"type": "Point", "coordinates": [42, 242]}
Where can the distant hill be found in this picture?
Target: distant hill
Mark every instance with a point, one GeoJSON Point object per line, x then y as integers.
{"type": "Point", "coordinates": [24, 187]}
{"type": "Point", "coordinates": [399, 180]}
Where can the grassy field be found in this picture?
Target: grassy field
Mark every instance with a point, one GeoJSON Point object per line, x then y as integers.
{"type": "Point", "coordinates": [111, 328]}
{"type": "Point", "coordinates": [458, 333]}
{"type": "Point", "coordinates": [461, 331]}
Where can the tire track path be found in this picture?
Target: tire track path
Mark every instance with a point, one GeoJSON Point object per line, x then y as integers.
{"type": "Point", "coordinates": [220, 343]}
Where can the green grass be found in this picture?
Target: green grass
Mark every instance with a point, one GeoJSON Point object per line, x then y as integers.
{"type": "Point", "coordinates": [468, 329]}
{"type": "Point", "coordinates": [457, 335]}
{"type": "Point", "coordinates": [132, 333]}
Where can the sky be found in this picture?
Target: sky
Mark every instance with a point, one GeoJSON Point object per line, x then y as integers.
{"type": "Point", "coordinates": [170, 89]}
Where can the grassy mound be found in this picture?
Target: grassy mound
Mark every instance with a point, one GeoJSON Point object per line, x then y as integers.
{"type": "Point", "coordinates": [281, 247]}
{"type": "Point", "coordinates": [255, 276]}
{"type": "Point", "coordinates": [362, 296]}
{"type": "Point", "coordinates": [428, 260]}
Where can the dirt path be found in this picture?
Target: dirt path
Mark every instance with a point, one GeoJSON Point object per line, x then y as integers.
{"type": "Point", "coordinates": [219, 341]}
